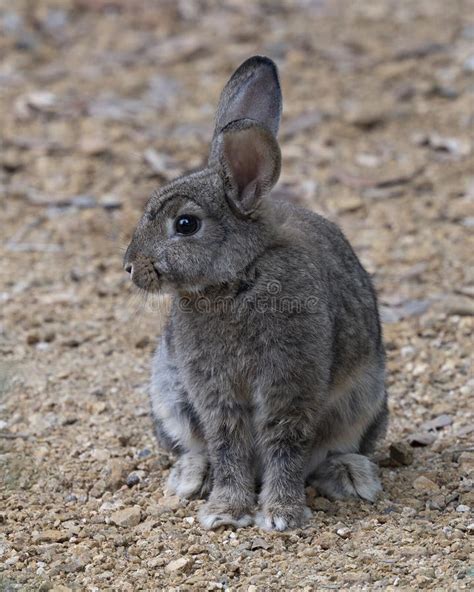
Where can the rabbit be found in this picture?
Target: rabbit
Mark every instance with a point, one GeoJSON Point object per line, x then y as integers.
{"type": "Point", "coordinates": [270, 372]}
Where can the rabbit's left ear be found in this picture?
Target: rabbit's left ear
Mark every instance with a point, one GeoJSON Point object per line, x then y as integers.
{"type": "Point", "coordinates": [250, 162]}
{"type": "Point", "coordinates": [253, 92]}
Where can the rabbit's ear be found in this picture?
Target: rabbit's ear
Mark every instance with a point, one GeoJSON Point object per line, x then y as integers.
{"type": "Point", "coordinates": [253, 92]}
{"type": "Point", "coordinates": [250, 160]}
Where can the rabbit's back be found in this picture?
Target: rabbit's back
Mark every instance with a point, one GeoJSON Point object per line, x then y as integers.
{"type": "Point", "coordinates": [335, 275]}
{"type": "Point", "coordinates": [346, 312]}
{"type": "Point", "coordinates": [332, 251]}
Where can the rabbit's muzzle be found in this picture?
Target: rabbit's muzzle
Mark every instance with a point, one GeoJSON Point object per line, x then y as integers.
{"type": "Point", "coordinates": [143, 273]}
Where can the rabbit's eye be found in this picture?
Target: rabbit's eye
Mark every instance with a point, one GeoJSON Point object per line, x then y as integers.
{"type": "Point", "coordinates": [187, 224]}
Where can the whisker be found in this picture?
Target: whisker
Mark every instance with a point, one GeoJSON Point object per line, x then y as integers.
{"type": "Point", "coordinates": [134, 306]}
{"type": "Point", "coordinates": [141, 303]}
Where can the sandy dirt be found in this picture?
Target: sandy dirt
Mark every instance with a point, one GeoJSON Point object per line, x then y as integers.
{"type": "Point", "coordinates": [103, 100]}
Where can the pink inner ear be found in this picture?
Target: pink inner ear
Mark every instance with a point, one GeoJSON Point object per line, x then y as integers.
{"type": "Point", "coordinates": [245, 168]}
{"type": "Point", "coordinates": [244, 159]}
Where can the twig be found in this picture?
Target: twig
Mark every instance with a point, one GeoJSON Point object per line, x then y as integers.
{"type": "Point", "coordinates": [11, 436]}
{"type": "Point", "coordinates": [33, 248]}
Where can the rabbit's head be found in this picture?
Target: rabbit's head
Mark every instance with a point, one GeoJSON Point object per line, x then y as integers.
{"type": "Point", "coordinates": [206, 227]}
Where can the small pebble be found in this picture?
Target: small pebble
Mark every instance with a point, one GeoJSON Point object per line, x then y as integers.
{"type": "Point", "coordinates": [32, 338]}
{"type": "Point", "coordinates": [401, 453]}
{"type": "Point", "coordinates": [50, 536]}
{"type": "Point", "coordinates": [425, 485]}
{"type": "Point", "coordinates": [343, 532]}
{"type": "Point", "coordinates": [144, 453]}
{"type": "Point", "coordinates": [177, 565]}
{"type": "Point", "coordinates": [110, 202]}
{"type": "Point", "coordinates": [468, 65]}
{"type": "Point", "coordinates": [133, 479]}
{"type": "Point", "coordinates": [127, 517]}
{"type": "Point", "coordinates": [169, 502]}
{"type": "Point", "coordinates": [260, 543]}
{"type": "Point", "coordinates": [143, 342]}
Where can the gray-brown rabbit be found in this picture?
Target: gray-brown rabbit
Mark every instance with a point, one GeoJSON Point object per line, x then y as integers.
{"type": "Point", "coordinates": [270, 372]}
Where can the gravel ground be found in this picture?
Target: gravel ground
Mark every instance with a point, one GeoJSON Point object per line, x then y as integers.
{"type": "Point", "coordinates": [103, 100]}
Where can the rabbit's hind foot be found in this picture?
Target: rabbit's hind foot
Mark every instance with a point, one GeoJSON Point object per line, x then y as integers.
{"type": "Point", "coordinates": [346, 475]}
{"type": "Point", "coordinates": [190, 476]}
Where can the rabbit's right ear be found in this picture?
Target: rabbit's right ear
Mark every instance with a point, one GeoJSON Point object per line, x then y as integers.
{"type": "Point", "coordinates": [250, 161]}
{"type": "Point", "coordinates": [253, 92]}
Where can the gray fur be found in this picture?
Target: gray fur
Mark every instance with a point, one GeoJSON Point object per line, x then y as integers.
{"type": "Point", "coordinates": [271, 367]}
{"type": "Point", "coordinates": [253, 92]}
{"type": "Point", "coordinates": [347, 475]}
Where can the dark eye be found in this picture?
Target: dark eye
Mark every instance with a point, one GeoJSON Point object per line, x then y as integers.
{"type": "Point", "coordinates": [187, 224]}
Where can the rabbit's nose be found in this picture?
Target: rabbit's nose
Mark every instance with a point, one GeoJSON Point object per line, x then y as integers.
{"type": "Point", "coordinates": [129, 268]}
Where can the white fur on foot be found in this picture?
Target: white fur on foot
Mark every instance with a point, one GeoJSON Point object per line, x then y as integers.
{"type": "Point", "coordinates": [172, 482]}
{"type": "Point", "coordinates": [362, 480]}
{"type": "Point", "coordinates": [280, 523]}
{"type": "Point", "coordinates": [187, 489]}
{"type": "Point", "coordinates": [369, 490]}
{"type": "Point", "coordinates": [187, 476]}
{"type": "Point", "coordinates": [209, 520]}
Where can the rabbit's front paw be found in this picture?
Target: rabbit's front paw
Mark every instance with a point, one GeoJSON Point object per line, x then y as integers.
{"type": "Point", "coordinates": [215, 513]}
{"type": "Point", "coordinates": [281, 517]}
